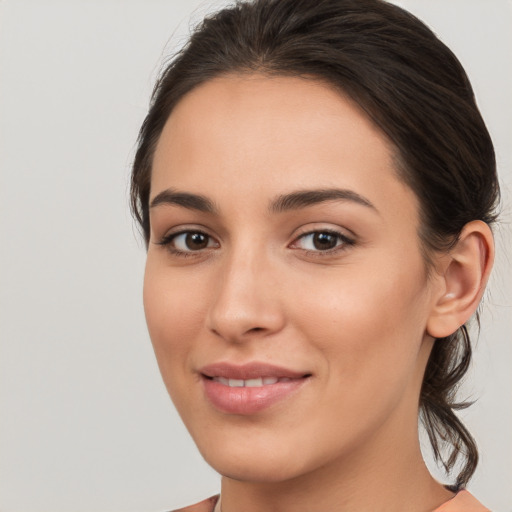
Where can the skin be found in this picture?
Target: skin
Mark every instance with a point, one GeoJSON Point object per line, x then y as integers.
{"type": "Point", "coordinates": [358, 318]}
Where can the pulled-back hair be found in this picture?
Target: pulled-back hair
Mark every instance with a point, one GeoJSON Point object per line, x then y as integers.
{"type": "Point", "coordinates": [411, 86]}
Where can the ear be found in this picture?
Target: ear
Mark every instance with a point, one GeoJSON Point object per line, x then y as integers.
{"type": "Point", "coordinates": [463, 275]}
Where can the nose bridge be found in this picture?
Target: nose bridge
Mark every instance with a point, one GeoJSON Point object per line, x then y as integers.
{"type": "Point", "coordinates": [245, 303]}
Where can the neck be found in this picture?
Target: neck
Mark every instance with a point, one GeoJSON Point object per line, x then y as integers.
{"type": "Point", "coordinates": [370, 479]}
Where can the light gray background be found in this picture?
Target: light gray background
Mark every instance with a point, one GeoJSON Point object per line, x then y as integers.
{"type": "Point", "coordinates": [85, 422]}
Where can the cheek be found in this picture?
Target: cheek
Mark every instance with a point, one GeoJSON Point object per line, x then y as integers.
{"type": "Point", "coordinates": [367, 323]}
{"type": "Point", "coordinates": [173, 305]}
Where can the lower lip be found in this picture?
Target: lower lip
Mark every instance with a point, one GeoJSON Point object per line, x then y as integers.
{"type": "Point", "coordinates": [249, 400]}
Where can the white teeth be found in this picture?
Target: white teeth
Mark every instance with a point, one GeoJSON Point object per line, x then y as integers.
{"type": "Point", "coordinates": [236, 383]}
{"type": "Point", "coordinates": [253, 383]}
{"type": "Point", "coordinates": [250, 383]}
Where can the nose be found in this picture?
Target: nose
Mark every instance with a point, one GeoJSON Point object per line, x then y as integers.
{"type": "Point", "coordinates": [246, 303]}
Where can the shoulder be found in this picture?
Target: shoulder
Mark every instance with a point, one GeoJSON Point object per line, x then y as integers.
{"type": "Point", "coordinates": [203, 506]}
{"type": "Point", "coordinates": [462, 502]}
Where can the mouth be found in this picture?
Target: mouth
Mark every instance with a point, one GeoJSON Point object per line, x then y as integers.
{"type": "Point", "coordinates": [250, 383]}
{"type": "Point", "coordinates": [251, 388]}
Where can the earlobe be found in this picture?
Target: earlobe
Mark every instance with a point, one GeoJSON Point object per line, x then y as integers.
{"type": "Point", "coordinates": [463, 278]}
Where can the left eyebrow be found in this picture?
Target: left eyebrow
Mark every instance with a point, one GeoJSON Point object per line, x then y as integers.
{"type": "Point", "coordinates": [304, 198]}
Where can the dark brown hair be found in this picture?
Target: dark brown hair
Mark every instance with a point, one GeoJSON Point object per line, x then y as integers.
{"type": "Point", "coordinates": [411, 86]}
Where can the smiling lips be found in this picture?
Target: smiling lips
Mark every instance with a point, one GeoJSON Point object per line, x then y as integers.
{"type": "Point", "coordinates": [249, 388]}
{"type": "Point", "coordinates": [250, 383]}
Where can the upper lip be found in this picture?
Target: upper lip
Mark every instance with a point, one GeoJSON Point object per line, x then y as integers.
{"type": "Point", "coordinates": [252, 370]}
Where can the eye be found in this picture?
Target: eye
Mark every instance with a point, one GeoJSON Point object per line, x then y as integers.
{"type": "Point", "coordinates": [188, 241]}
{"type": "Point", "coordinates": [322, 241]}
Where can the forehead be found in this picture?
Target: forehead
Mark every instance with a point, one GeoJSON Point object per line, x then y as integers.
{"type": "Point", "coordinates": [255, 134]}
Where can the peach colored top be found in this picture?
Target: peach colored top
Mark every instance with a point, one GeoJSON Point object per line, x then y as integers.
{"type": "Point", "coordinates": [462, 502]}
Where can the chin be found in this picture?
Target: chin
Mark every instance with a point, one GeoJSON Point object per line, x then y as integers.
{"type": "Point", "coordinates": [260, 459]}
{"type": "Point", "coordinates": [255, 470]}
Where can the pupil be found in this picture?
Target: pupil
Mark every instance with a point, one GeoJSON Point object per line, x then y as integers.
{"type": "Point", "coordinates": [324, 241]}
{"type": "Point", "coordinates": [196, 241]}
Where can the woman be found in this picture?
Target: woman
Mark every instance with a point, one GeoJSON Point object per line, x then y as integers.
{"type": "Point", "coordinates": [315, 185]}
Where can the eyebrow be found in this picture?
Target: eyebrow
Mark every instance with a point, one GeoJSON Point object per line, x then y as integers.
{"type": "Point", "coordinates": [185, 200]}
{"type": "Point", "coordinates": [286, 202]}
{"type": "Point", "coordinates": [304, 198]}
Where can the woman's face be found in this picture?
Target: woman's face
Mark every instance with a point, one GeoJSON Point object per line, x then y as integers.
{"type": "Point", "coordinates": [285, 291]}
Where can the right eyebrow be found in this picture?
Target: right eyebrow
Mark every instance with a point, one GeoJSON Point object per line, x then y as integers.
{"type": "Point", "coordinates": [185, 200]}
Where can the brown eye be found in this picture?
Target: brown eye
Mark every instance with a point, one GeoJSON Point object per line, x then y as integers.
{"type": "Point", "coordinates": [196, 241]}
{"type": "Point", "coordinates": [324, 241]}
{"type": "Point", "coordinates": [189, 241]}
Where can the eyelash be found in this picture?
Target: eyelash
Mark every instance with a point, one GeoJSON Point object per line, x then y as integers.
{"type": "Point", "coordinates": [167, 241]}
{"type": "Point", "coordinates": [343, 243]}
